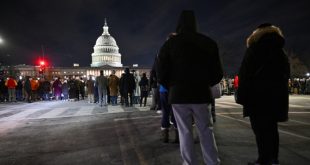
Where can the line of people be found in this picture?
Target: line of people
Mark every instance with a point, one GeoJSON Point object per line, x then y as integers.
{"type": "Point", "coordinates": [34, 89]}
{"type": "Point", "coordinates": [188, 52]}
{"type": "Point", "coordinates": [131, 88]}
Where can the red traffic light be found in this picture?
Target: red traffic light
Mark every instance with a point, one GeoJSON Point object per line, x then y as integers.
{"type": "Point", "coordinates": [42, 63]}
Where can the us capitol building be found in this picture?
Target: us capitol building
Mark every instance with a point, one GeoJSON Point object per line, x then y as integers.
{"type": "Point", "coordinates": [105, 57]}
{"type": "Point", "coordinates": [106, 51]}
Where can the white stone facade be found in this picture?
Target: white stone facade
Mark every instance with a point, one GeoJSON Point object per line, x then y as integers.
{"type": "Point", "coordinates": [106, 51]}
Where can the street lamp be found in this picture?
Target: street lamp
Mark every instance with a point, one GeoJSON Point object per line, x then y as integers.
{"type": "Point", "coordinates": [1, 40]}
{"type": "Point", "coordinates": [308, 74]}
{"type": "Point", "coordinates": [1, 43]}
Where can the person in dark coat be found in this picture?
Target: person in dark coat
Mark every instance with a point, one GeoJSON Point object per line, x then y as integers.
{"type": "Point", "coordinates": [265, 61]}
{"type": "Point", "coordinates": [128, 86]}
{"type": "Point", "coordinates": [82, 88]}
{"type": "Point", "coordinates": [19, 90]}
{"type": "Point", "coordinates": [46, 89]}
{"type": "Point", "coordinates": [144, 85]}
{"type": "Point", "coordinates": [27, 87]}
{"type": "Point", "coordinates": [3, 90]}
{"type": "Point", "coordinates": [121, 90]}
{"type": "Point", "coordinates": [57, 88]}
{"type": "Point", "coordinates": [72, 88]}
{"type": "Point", "coordinates": [190, 53]}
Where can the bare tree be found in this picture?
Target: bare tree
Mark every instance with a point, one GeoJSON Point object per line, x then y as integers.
{"type": "Point", "coordinates": [298, 68]}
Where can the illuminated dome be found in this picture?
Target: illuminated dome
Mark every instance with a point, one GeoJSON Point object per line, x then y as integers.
{"type": "Point", "coordinates": [106, 50]}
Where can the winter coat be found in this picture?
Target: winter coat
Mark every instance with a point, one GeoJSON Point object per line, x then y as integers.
{"type": "Point", "coordinates": [102, 83]}
{"type": "Point", "coordinates": [34, 84]}
{"type": "Point", "coordinates": [27, 86]}
{"type": "Point", "coordinates": [3, 88]}
{"type": "Point", "coordinates": [113, 85]}
{"type": "Point", "coordinates": [19, 85]}
{"type": "Point", "coordinates": [144, 83]}
{"type": "Point", "coordinates": [265, 66]}
{"type": "Point", "coordinates": [137, 88]}
{"type": "Point", "coordinates": [153, 75]}
{"type": "Point", "coordinates": [90, 85]}
{"type": "Point", "coordinates": [46, 86]}
{"type": "Point", "coordinates": [65, 88]}
{"type": "Point", "coordinates": [127, 84]}
{"type": "Point", "coordinates": [189, 64]}
{"type": "Point", "coordinates": [57, 87]}
{"type": "Point", "coordinates": [11, 83]}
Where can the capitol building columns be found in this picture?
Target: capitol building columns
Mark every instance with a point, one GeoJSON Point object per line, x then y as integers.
{"type": "Point", "coordinates": [106, 51]}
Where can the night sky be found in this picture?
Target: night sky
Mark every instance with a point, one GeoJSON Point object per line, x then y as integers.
{"type": "Point", "coordinates": [68, 29]}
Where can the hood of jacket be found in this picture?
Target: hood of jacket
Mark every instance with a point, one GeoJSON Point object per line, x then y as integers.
{"type": "Point", "coordinates": [259, 33]}
{"type": "Point", "coordinates": [187, 22]}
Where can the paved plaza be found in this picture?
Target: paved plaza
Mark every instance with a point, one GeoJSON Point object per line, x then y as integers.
{"type": "Point", "coordinates": [65, 133]}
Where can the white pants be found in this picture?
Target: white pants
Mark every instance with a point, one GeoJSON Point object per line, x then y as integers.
{"type": "Point", "coordinates": [183, 114]}
{"type": "Point", "coordinates": [91, 98]}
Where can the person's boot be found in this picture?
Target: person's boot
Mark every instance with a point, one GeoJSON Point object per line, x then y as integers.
{"type": "Point", "coordinates": [176, 138]}
{"type": "Point", "coordinates": [165, 135]}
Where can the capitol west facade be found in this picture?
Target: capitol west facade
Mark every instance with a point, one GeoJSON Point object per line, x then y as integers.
{"type": "Point", "coordinates": [105, 57]}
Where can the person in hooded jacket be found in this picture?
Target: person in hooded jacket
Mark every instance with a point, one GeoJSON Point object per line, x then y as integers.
{"type": "Point", "coordinates": [265, 60]}
{"type": "Point", "coordinates": [57, 88]}
{"type": "Point", "coordinates": [191, 53]}
{"type": "Point", "coordinates": [144, 88]}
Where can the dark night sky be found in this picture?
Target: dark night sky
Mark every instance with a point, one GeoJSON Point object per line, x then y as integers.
{"type": "Point", "coordinates": [68, 29]}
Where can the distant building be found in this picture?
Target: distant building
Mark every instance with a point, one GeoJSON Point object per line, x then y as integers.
{"type": "Point", "coordinates": [105, 57]}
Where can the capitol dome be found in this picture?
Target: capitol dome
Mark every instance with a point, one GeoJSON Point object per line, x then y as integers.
{"type": "Point", "coordinates": [106, 51]}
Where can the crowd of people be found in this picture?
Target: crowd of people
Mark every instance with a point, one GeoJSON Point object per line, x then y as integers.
{"type": "Point", "coordinates": [32, 89]}
{"type": "Point", "coordinates": [104, 90]}
{"type": "Point", "coordinates": [184, 100]}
